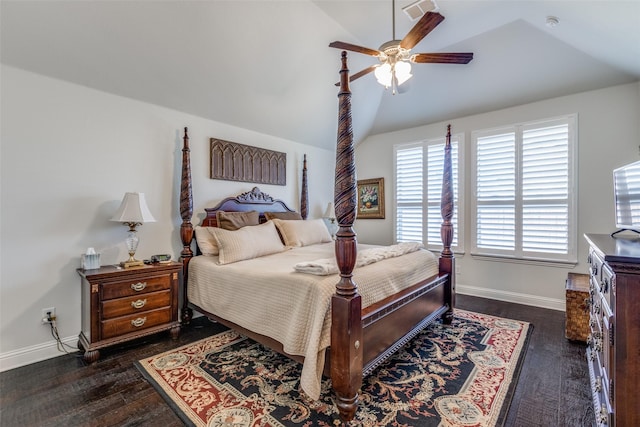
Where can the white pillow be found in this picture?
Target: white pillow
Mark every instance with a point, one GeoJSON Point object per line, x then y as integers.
{"type": "Point", "coordinates": [247, 242]}
{"type": "Point", "coordinates": [303, 233]}
{"type": "Point", "coordinates": [205, 240]}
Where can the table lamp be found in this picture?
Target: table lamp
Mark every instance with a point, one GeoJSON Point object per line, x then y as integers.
{"type": "Point", "coordinates": [133, 211]}
{"type": "Point", "coordinates": [330, 216]}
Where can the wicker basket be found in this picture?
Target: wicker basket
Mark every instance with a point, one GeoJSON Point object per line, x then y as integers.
{"type": "Point", "coordinates": [577, 310]}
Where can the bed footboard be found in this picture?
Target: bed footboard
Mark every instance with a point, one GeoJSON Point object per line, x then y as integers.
{"type": "Point", "coordinates": [391, 323]}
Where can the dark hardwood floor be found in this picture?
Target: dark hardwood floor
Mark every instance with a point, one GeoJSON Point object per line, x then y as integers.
{"type": "Point", "coordinates": [553, 389]}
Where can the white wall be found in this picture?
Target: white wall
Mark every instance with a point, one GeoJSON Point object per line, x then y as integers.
{"type": "Point", "coordinates": [68, 155]}
{"type": "Point", "coordinates": [608, 137]}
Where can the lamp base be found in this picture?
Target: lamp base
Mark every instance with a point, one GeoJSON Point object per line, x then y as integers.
{"type": "Point", "coordinates": [131, 263]}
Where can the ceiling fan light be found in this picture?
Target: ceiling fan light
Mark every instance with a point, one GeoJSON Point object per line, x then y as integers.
{"type": "Point", "coordinates": [403, 71]}
{"type": "Point", "coordinates": [383, 74]}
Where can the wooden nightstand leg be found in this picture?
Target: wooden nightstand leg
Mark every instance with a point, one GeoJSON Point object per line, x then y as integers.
{"type": "Point", "coordinates": [175, 332]}
{"type": "Point", "coordinates": [91, 356]}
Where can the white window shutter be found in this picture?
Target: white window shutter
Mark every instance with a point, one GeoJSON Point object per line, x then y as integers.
{"type": "Point", "coordinates": [419, 169]}
{"type": "Point", "coordinates": [409, 194]}
{"type": "Point", "coordinates": [524, 207]}
{"type": "Point", "coordinates": [496, 192]}
{"type": "Point", "coordinates": [545, 189]}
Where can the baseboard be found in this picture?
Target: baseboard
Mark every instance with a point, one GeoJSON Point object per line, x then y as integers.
{"type": "Point", "coordinates": [36, 353]}
{"type": "Point", "coordinates": [518, 298]}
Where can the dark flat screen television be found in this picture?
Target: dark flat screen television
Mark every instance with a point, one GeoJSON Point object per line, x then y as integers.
{"type": "Point", "coordinates": [626, 185]}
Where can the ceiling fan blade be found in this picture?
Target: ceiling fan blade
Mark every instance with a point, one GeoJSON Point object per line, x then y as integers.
{"type": "Point", "coordinates": [361, 73]}
{"type": "Point", "coordinates": [425, 25]}
{"type": "Point", "coordinates": [442, 58]}
{"type": "Point", "coordinates": [355, 48]}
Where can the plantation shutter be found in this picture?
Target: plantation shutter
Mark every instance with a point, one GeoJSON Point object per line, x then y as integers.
{"type": "Point", "coordinates": [524, 206]}
{"type": "Point", "coordinates": [409, 195]}
{"type": "Point", "coordinates": [545, 189]}
{"type": "Point", "coordinates": [418, 170]}
{"type": "Point", "coordinates": [496, 192]}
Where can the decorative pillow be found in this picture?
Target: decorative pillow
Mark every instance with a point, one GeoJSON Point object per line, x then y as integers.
{"type": "Point", "coordinates": [236, 220]}
{"type": "Point", "coordinates": [205, 240]}
{"type": "Point", "coordinates": [283, 215]}
{"type": "Point", "coordinates": [247, 242]}
{"type": "Point", "coordinates": [303, 233]}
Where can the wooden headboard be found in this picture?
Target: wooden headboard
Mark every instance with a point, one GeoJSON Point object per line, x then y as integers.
{"type": "Point", "coordinates": [254, 200]}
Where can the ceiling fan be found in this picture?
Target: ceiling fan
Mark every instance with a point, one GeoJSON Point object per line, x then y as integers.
{"type": "Point", "coordinates": [395, 56]}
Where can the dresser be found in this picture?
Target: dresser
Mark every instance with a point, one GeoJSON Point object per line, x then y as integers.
{"type": "Point", "coordinates": [121, 304]}
{"type": "Point", "coordinates": [613, 345]}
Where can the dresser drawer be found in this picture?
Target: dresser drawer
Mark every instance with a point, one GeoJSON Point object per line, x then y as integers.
{"type": "Point", "coordinates": [137, 286]}
{"type": "Point", "coordinates": [135, 322]}
{"type": "Point", "coordinates": [135, 304]}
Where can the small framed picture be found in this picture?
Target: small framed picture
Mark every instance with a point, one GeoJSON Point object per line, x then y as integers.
{"type": "Point", "coordinates": [371, 198]}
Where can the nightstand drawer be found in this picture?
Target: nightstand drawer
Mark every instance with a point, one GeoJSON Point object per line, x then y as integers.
{"type": "Point", "coordinates": [135, 286]}
{"type": "Point", "coordinates": [135, 322]}
{"type": "Point", "coordinates": [135, 304]}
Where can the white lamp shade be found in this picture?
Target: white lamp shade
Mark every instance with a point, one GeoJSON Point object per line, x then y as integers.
{"type": "Point", "coordinates": [403, 71]}
{"type": "Point", "coordinates": [133, 209]}
{"type": "Point", "coordinates": [383, 74]}
{"type": "Point", "coordinates": [330, 212]}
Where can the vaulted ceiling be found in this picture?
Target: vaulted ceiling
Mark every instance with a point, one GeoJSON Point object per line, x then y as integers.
{"type": "Point", "coordinates": [266, 65]}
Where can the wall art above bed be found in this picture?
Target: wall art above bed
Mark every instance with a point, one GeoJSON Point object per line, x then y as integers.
{"type": "Point", "coordinates": [238, 162]}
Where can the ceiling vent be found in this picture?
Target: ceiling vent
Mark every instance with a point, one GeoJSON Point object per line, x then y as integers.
{"type": "Point", "coordinates": [415, 10]}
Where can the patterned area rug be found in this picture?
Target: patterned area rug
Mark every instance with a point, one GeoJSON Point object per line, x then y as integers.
{"type": "Point", "coordinates": [462, 374]}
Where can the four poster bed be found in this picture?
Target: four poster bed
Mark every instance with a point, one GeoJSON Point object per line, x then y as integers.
{"type": "Point", "coordinates": [360, 314]}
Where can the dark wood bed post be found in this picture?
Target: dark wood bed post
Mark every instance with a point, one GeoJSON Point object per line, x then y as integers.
{"type": "Point", "coordinates": [304, 195]}
{"type": "Point", "coordinates": [346, 304]}
{"type": "Point", "coordinates": [447, 260]}
{"type": "Point", "coordinates": [186, 229]}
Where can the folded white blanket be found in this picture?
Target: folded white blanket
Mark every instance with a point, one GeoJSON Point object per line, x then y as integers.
{"type": "Point", "coordinates": [327, 266]}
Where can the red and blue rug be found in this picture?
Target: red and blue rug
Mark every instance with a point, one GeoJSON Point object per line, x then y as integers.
{"type": "Point", "coordinates": [462, 374]}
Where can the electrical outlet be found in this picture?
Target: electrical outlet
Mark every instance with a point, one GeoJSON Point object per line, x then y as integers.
{"type": "Point", "coordinates": [48, 313]}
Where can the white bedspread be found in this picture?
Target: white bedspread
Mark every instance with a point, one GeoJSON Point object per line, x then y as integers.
{"type": "Point", "coordinates": [267, 296]}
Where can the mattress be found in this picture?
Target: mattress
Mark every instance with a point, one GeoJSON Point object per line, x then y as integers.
{"type": "Point", "coordinates": [266, 295]}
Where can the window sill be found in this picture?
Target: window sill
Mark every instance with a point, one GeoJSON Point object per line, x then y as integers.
{"type": "Point", "coordinates": [529, 261]}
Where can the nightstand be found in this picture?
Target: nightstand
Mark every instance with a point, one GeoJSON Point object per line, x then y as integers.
{"type": "Point", "coordinates": [121, 304]}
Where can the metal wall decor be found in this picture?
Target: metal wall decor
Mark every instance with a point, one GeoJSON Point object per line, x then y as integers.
{"type": "Point", "coordinates": [238, 162]}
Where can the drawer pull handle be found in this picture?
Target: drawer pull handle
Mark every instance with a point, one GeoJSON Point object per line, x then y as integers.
{"type": "Point", "coordinates": [138, 286]}
{"type": "Point", "coordinates": [139, 303]}
{"type": "Point", "coordinates": [138, 322]}
{"type": "Point", "coordinates": [604, 415]}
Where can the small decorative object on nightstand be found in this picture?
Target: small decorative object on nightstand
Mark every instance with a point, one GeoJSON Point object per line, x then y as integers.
{"type": "Point", "coordinates": [133, 211]}
{"type": "Point", "coordinates": [119, 304]}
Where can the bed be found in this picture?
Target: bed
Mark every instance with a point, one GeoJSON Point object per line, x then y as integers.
{"type": "Point", "coordinates": [360, 312]}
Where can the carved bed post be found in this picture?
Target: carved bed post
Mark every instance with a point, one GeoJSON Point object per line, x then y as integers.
{"type": "Point", "coordinates": [186, 229]}
{"type": "Point", "coordinates": [304, 196]}
{"type": "Point", "coordinates": [447, 260]}
{"type": "Point", "coordinates": [346, 304]}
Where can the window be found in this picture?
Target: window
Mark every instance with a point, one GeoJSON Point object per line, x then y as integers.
{"type": "Point", "coordinates": [524, 207]}
{"type": "Point", "coordinates": [418, 186]}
